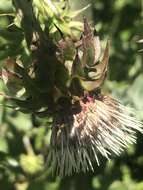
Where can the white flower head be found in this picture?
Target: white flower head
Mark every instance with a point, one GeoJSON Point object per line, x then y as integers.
{"type": "Point", "coordinates": [83, 131]}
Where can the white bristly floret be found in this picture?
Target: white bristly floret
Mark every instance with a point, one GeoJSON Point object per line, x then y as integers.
{"type": "Point", "coordinates": [101, 127]}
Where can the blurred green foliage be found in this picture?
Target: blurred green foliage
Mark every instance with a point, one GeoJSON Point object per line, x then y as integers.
{"type": "Point", "coordinates": [24, 138]}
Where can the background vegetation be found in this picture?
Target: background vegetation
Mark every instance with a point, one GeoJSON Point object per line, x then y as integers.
{"type": "Point", "coordinates": [24, 138]}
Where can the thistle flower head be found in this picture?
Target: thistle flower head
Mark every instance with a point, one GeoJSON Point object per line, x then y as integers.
{"type": "Point", "coordinates": [86, 122]}
{"type": "Point", "coordinates": [92, 123]}
{"type": "Point", "coordinates": [97, 125]}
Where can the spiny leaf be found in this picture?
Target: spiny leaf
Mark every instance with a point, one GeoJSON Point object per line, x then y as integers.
{"type": "Point", "coordinates": [91, 47]}
{"type": "Point", "coordinates": [102, 66]}
{"type": "Point", "coordinates": [78, 12]}
{"type": "Point", "coordinates": [77, 69]}
{"type": "Point", "coordinates": [101, 71]}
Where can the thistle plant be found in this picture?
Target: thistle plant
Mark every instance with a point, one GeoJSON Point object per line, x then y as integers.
{"type": "Point", "coordinates": [59, 73]}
